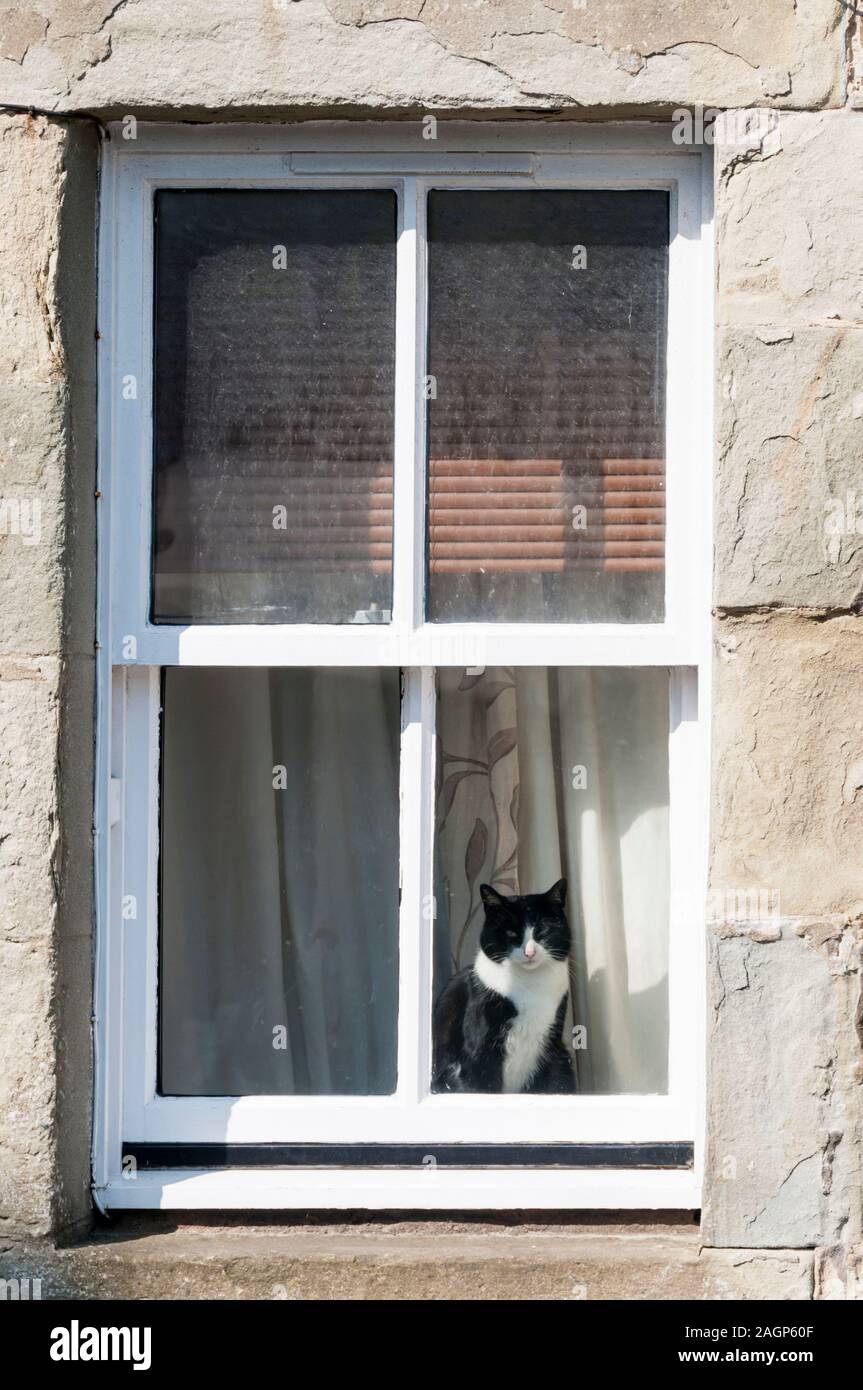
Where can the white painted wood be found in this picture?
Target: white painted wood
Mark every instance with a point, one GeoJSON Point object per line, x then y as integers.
{"type": "Point", "coordinates": [426, 1188]}
{"type": "Point", "coordinates": [402, 1118]}
{"type": "Point", "coordinates": [426, 921]}
{"type": "Point", "coordinates": [688, 861]}
{"type": "Point", "coordinates": [139, 883]}
{"type": "Point", "coordinates": [411, 888]}
{"type": "Point", "coordinates": [490, 137]}
{"type": "Point", "coordinates": [444, 644]}
{"type": "Point", "coordinates": [331, 154]}
{"type": "Point", "coordinates": [405, 413]}
{"type": "Point", "coordinates": [420, 162]}
{"type": "Point", "coordinates": [420, 476]}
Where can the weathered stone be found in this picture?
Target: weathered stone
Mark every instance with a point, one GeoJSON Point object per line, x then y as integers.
{"type": "Point", "coordinates": [400, 54]}
{"type": "Point", "coordinates": [799, 268]}
{"type": "Point", "coordinates": [787, 726]}
{"type": "Point", "coordinates": [28, 722]}
{"type": "Point", "coordinates": [33, 431]}
{"type": "Point", "coordinates": [784, 1068]}
{"type": "Point", "coordinates": [788, 491]}
{"type": "Point", "coordinates": [783, 1098]}
{"type": "Point", "coordinates": [854, 57]}
{"type": "Point", "coordinates": [789, 496]}
{"type": "Point", "coordinates": [47, 459]}
{"type": "Point", "coordinates": [19, 31]}
{"type": "Point", "coordinates": [27, 1087]}
{"type": "Point", "coordinates": [410, 1260]}
{"type": "Point", "coordinates": [758, 1275]}
{"type": "Point", "coordinates": [839, 1273]}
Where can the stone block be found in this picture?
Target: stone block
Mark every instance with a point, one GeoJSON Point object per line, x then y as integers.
{"type": "Point", "coordinates": [361, 55]}
{"type": "Point", "coordinates": [783, 214]}
{"type": "Point", "coordinates": [788, 488]}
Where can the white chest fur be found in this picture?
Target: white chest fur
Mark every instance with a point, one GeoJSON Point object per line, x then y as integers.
{"type": "Point", "coordinates": [536, 995]}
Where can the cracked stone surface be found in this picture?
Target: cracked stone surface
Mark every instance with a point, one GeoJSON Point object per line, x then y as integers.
{"type": "Point", "coordinates": [788, 493]}
{"type": "Point", "coordinates": [784, 1134]}
{"type": "Point", "coordinates": [789, 262]}
{"type": "Point", "coordinates": [112, 55]}
{"type": "Point", "coordinates": [787, 726]}
{"type": "Point", "coordinates": [785, 1041]}
{"type": "Point", "coordinates": [789, 529]}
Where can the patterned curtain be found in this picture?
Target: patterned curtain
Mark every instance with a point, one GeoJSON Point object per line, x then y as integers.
{"type": "Point", "coordinates": [544, 773]}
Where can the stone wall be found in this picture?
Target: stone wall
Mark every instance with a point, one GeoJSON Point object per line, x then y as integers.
{"type": "Point", "coordinates": [47, 622]}
{"type": "Point", "coordinates": [171, 57]}
{"type": "Point", "coordinates": [785, 1030]}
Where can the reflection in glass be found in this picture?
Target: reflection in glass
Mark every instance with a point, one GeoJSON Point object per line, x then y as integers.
{"type": "Point", "coordinates": [546, 422]}
{"type": "Point", "coordinates": [275, 343]}
{"type": "Point", "coordinates": [547, 774]}
{"type": "Point", "coordinates": [279, 882]}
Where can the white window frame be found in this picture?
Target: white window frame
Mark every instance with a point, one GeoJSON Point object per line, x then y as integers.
{"type": "Point", "coordinates": [127, 1107]}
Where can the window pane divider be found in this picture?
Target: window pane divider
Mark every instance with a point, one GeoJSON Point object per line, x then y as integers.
{"type": "Point", "coordinates": [400, 644]}
{"type": "Point", "coordinates": [408, 511]}
{"type": "Point", "coordinates": [416, 907]}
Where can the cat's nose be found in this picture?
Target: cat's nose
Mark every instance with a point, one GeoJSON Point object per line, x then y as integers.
{"type": "Point", "coordinates": [530, 949]}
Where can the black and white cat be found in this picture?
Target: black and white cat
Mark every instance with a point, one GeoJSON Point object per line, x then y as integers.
{"type": "Point", "coordinates": [498, 1023]}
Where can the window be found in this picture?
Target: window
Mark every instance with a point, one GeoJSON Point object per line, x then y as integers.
{"type": "Point", "coordinates": [405, 585]}
{"type": "Point", "coordinates": [548, 362]}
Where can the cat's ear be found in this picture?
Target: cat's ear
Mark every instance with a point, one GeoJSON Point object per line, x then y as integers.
{"type": "Point", "coordinates": [557, 893]}
{"type": "Point", "coordinates": [490, 898]}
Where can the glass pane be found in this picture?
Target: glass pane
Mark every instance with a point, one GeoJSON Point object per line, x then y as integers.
{"type": "Point", "coordinates": [275, 342]}
{"type": "Point", "coordinates": [547, 325]}
{"type": "Point", "coordinates": [279, 889]}
{"type": "Point", "coordinates": [548, 775]}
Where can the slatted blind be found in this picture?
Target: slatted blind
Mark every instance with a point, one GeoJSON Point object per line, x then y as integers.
{"type": "Point", "coordinates": [275, 350]}
{"type": "Point", "coordinates": [506, 515]}
{"type": "Point", "coordinates": [274, 405]}
{"type": "Point", "coordinates": [546, 477]}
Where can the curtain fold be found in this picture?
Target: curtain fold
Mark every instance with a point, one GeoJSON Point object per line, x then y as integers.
{"type": "Point", "coordinates": [582, 756]}
{"type": "Point", "coordinates": [279, 903]}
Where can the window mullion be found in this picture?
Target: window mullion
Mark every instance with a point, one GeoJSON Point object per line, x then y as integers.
{"type": "Point", "coordinates": [408, 459]}
{"type": "Point", "coordinates": [416, 905]}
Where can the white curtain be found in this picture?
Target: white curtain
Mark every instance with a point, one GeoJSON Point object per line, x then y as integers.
{"type": "Point", "coordinates": [564, 773]}
{"type": "Point", "coordinates": [279, 904]}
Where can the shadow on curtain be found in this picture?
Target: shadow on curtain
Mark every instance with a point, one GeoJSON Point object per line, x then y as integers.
{"type": "Point", "coordinates": [544, 773]}
{"type": "Point", "coordinates": [279, 903]}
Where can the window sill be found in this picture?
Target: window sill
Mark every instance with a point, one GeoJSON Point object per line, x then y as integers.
{"type": "Point", "coordinates": [410, 1259]}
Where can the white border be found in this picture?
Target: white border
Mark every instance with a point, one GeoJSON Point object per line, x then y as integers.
{"type": "Point", "coordinates": [333, 154]}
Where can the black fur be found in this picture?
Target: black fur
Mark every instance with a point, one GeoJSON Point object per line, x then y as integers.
{"type": "Point", "coordinates": [471, 1022]}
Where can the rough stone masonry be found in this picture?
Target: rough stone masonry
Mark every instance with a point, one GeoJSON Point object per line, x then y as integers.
{"type": "Point", "coordinates": [785, 1046]}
